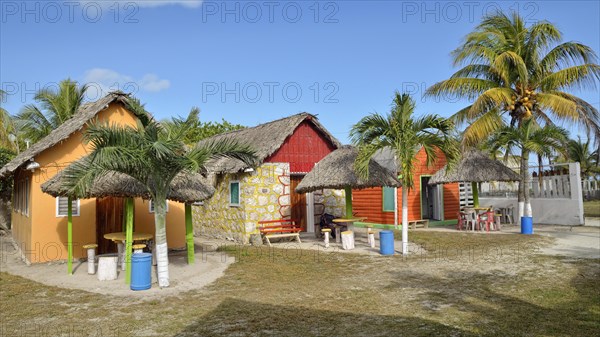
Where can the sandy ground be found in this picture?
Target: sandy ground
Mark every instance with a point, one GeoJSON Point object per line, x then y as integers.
{"type": "Point", "coordinates": [592, 222]}
{"type": "Point", "coordinates": [209, 266]}
{"type": "Point", "coordinates": [577, 242]}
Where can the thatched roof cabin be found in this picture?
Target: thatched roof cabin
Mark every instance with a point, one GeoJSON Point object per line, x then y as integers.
{"type": "Point", "coordinates": [85, 114]}
{"type": "Point", "coordinates": [185, 188]}
{"type": "Point", "coordinates": [475, 166]}
{"type": "Point", "coordinates": [265, 139]}
{"type": "Point", "coordinates": [336, 171]}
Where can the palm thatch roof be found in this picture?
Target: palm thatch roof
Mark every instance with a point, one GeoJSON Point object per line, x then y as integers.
{"type": "Point", "coordinates": [186, 187]}
{"type": "Point", "coordinates": [475, 166]}
{"type": "Point", "coordinates": [85, 113]}
{"type": "Point", "coordinates": [336, 171]}
{"type": "Point", "coordinates": [265, 139]}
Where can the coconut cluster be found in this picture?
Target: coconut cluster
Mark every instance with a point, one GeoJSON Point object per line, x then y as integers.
{"type": "Point", "coordinates": [522, 104]}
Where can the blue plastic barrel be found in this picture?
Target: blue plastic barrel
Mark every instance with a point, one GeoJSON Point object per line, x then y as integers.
{"type": "Point", "coordinates": [141, 267]}
{"type": "Point", "coordinates": [526, 225]}
{"type": "Point", "coordinates": [386, 243]}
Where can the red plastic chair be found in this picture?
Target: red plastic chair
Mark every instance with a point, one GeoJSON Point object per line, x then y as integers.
{"type": "Point", "coordinates": [486, 219]}
{"type": "Point", "coordinates": [461, 221]}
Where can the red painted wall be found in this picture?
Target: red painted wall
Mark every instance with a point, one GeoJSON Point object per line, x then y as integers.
{"type": "Point", "coordinates": [303, 149]}
{"type": "Point", "coordinates": [369, 202]}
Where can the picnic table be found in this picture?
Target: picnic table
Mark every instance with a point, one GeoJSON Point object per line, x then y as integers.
{"type": "Point", "coordinates": [120, 237]}
{"type": "Point", "coordinates": [339, 223]}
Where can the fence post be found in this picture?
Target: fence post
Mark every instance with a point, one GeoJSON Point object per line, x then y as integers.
{"type": "Point", "coordinates": [575, 184]}
{"type": "Point", "coordinates": [535, 179]}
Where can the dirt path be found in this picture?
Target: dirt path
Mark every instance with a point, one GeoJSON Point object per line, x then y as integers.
{"type": "Point", "coordinates": [571, 241]}
{"type": "Point", "coordinates": [210, 265]}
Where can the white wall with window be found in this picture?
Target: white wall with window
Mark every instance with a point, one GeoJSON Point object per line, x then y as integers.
{"type": "Point", "coordinates": [62, 207]}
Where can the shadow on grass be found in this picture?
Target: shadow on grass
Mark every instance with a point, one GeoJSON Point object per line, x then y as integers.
{"type": "Point", "coordinates": [234, 317]}
{"type": "Point", "coordinates": [499, 304]}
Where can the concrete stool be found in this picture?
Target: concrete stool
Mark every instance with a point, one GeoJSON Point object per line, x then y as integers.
{"type": "Point", "coordinates": [348, 240]}
{"type": "Point", "coordinates": [326, 232]}
{"type": "Point", "coordinates": [138, 248]}
{"type": "Point", "coordinates": [371, 238]}
{"type": "Point", "coordinates": [107, 268]}
{"type": "Point", "coordinates": [91, 253]}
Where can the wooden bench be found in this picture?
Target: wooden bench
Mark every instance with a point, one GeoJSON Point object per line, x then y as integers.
{"type": "Point", "coordinates": [279, 229]}
{"type": "Point", "coordinates": [413, 224]}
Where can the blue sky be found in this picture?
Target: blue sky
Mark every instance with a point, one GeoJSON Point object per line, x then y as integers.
{"type": "Point", "coordinates": [252, 62]}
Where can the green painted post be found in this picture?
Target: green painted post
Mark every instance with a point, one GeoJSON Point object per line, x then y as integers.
{"type": "Point", "coordinates": [189, 233]}
{"type": "Point", "coordinates": [348, 193]}
{"type": "Point", "coordinates": [475, 194]}
{"type": "Point", "coordinates": [124, 219]}
{"type": "Point", "coordinates": [128, 238]}
{"type": "Point", "coordinates": [70, 236]}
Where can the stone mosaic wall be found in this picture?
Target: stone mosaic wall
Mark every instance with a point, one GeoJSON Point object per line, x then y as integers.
{"type": "Point", "coordinates": [215, 218]}
{"type": "Point", "coordinates": [329, 201]}
{"type": "Point", "coordinates": [264, 195]}
{"type": "Point", "coordinates": [335, 202]}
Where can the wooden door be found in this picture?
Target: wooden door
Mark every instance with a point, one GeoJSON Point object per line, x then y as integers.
{"type": "Point", "coordinates": [298, 201]}
{"type": "Point", "coordinates": [109, 219]}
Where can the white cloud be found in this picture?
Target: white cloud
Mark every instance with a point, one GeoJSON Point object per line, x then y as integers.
{"type": "Point", "coordinates": [152, 83]}
{"type": "Point", "coordinates": [102, 81]}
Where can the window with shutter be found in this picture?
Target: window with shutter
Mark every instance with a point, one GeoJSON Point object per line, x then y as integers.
{"type": "Point", "coordinates": [62, 207]}
{"type": "Point", "coordinates": [234, 193]}
{"type": "Point", "coordinates": [388, 199]}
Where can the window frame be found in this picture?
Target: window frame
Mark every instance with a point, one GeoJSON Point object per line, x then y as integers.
{"type": "Point", "coordinates": [238, 204]}
{"type": "Point", "coordinates": [75, 210]}
{"type": "Point", "coordinates": [26, 195]}
{"type": "Point", "coordinates": [383, 198]}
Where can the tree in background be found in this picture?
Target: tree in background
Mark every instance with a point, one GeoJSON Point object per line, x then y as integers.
{"type": "Point", "coordinates": [405, 135]}
{"type": "Point", "coordinates": [514, 73]}
{"type": "Point", "coordinates": [527, 139]}
{"type": "Point", "coordinates": [579, 151]}
{"type": "Point", "coordinates": [199, 130]}
{"type": "Point", "coordinates": [54, 108]}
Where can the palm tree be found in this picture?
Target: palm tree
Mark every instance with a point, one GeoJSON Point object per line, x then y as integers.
{"type": "Point", "coordinates": [55, 107]}
{"type": "Point", "coordinates": [512, 73]}
{"type": "Point", "coordinates": [405, 135]}
{"type": "Point", "coordinates": [7, 126]}
{"type": "Point", "coordinates": [200, 130]}
{"type": "Point", "coordinates": [529, 138]}
{"type": "Point", "coordinates": [581, 152]}
{"type": "Point", "coordinates": [151, 155]}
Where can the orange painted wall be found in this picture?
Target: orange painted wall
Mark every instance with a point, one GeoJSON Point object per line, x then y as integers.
{"type": "Point", "coordinates": [43, 234]}
{"type": "Point", "coordinates": [20, 222]}
{"type": "Point", "coordinates": [369, 202]}
{"type": "Point", "coordinates": [144, 221]}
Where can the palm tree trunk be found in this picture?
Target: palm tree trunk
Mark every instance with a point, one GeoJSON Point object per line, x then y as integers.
{"type": "Point", "coordinates": [521, 198]}
{"type": "Point", "coordinates": [526, 182]}
{"type": "Point", "coordinates": [404, 220]}
{"type": "Point", "coordinates": [162, 257]}
{"type": "Point", "coordinates": [540, 168]}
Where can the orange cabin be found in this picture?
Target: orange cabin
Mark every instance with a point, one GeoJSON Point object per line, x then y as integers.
{"type": "Point", "coordinates": [434, 202]}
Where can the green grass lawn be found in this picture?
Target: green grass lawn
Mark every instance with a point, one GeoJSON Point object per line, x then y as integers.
{"type": "Point", "coordinates": [591, 208]}
{"type": "Point", "coordinates": [465, 285]}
